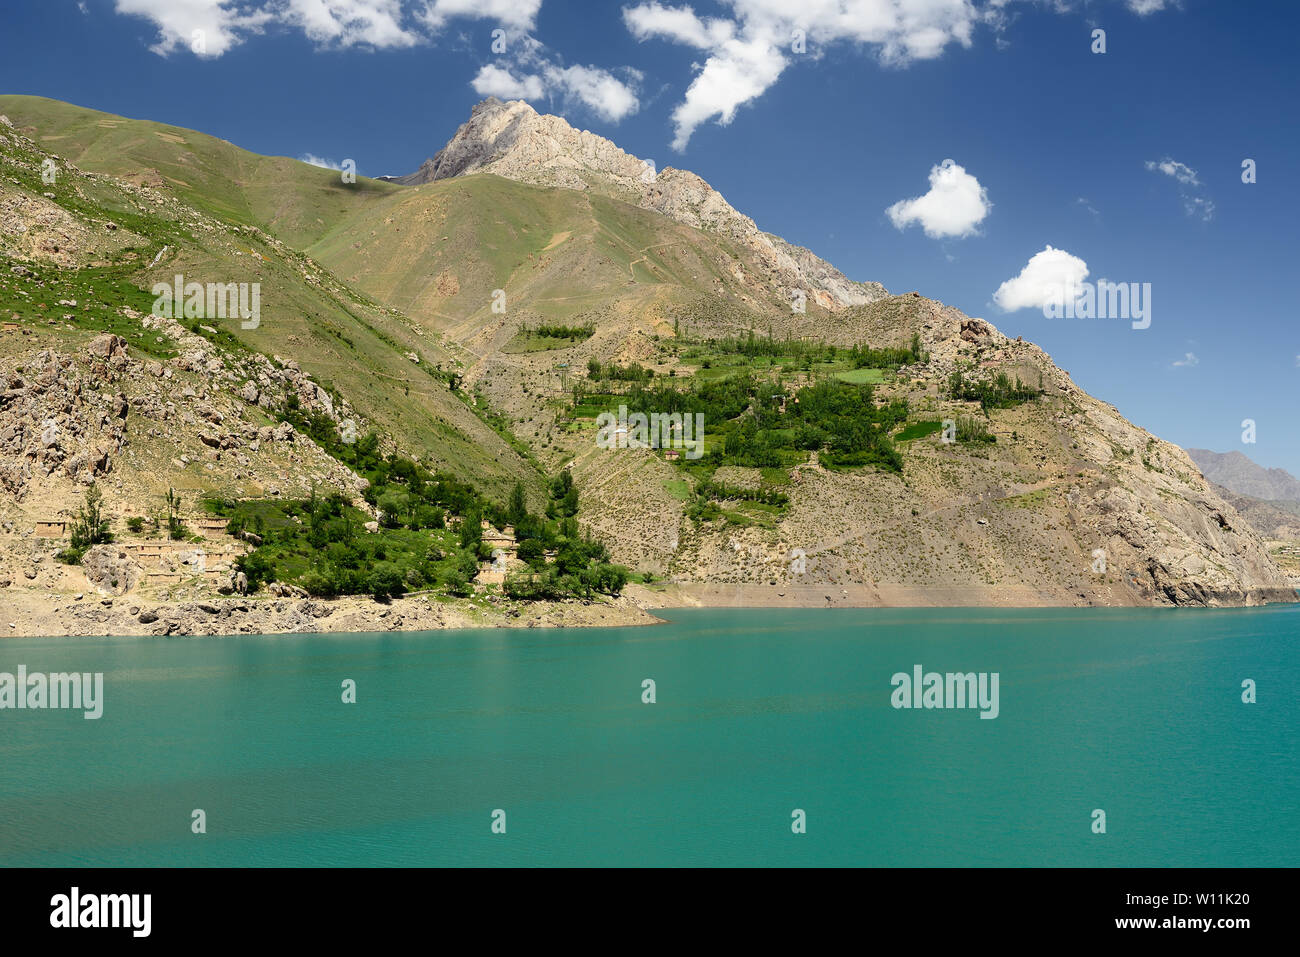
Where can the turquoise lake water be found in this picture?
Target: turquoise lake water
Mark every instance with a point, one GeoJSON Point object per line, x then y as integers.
{"type": "Point", "coordinates": [758, 713]}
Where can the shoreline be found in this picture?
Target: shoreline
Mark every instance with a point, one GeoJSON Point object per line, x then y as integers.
{"type": "Point", "coordinates": [91, 615]}
{"type": "Point", "coordinates": [31, 614]}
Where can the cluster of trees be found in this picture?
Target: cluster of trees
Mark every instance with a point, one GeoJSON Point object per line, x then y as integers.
{"type": "Point", "coordinates": [413, 547]}
{"type": "Point", "coordinates": [563, 498]}
{"type": "Point", "coordinates": [972, 429]}
{"type": "Point", "coordinates": [864, 357]}
{"type": "Point", "coordinates": [755, 346]}
{"type": "Point", "coordinates": [720, 399]}
{"type": "Point", "coordinates": [580, 566]}
{"type": "Point", "coordinates": [321, 542]}
{"type": "Point", "coordinates": [996, 393]}
{"type": "Point", "coordinates": [806, 352]}
{"type": "Point", "coordinates": [585, 331]}
{"type": "Point", "coordinates": [345, 560]}
{"type": "Point", "coordinates": [762, 426]}
{"type": "Point", "coordinates": [838, 419]}
{"type": "Point", "coordinates": [708, 493]}
{"type": "Point", "coordinates": [90, 527]}
{"type": "Point", "coordinates": [176, 529]}
{"type": "Point", "coordinates": [720, 491]}
{"type": "Point", "coordinates": [634, 372]}
{"type": "Point", "coordinates": [844, 420]}
{"type": "Point", "coordinates": [340, 558]}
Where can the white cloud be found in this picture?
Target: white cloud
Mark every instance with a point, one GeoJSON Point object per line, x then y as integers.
{"type": "Point", "coordinates": [1199, 206]}
{"type": "Point", "coordinates": [740, 71]}
{"type": "Point", "coordinates": [380, 24]}
{"type": "Point", "coordinates": [1188, 359]}
{"type": "Point", "coordinates": [344, 23]}
{"type": "Point", "coordinates": [1145, 7]}
{"type": "Point", "coordinates": [313, 160]}
{"type": "Point", "coordinates": [1087, 204]}
{"type": "Point", "coordinates": [750, 48]}
{"type": "Point", "coordinates": [1193, 204]}
{"type": "Point", "coordinates": [954, 206]}
{"type": "Point", "coordinates": [525, 71]}
{"type": "Point", "coordinates": [599, 90]}
{"type": "Point", "coordinates": [1052, 275]}
{"type": "Point", "coordinates": [1179, 171]}
{"type": "Point", "coordinates": [679, 24]}
{"type": "Point", "coordinates": [519, 14]}
{"type": "Point", "coordinates": [995, 12]}
{"type": "Point", "coordinates": [206, 27]}
{"type": "Point", "coordinates": [529, 72]}
{"type": "Point", "coordinates": [500, 82]}
{"type": "Point", "coordinates": [748, 52]}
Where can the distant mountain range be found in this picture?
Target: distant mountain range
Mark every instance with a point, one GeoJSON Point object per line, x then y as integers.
{"type": "Point", "coordinates": [1236, 472]}
{"type": "Point", "coordinates": [1269, 499]}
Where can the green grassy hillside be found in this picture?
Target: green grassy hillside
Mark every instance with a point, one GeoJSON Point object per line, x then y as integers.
{"type": "Point", "coordinates": [348, 342]}
{"type": "Point", "coordinates": [294, 201]}
{"type": "Point", "coordinates": [436, 252]}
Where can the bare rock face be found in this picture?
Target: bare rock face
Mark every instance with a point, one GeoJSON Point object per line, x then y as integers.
{"type": "Point", "coordinates": [513, 141]}
{"type": "Point", "coordinates": [110, 570]}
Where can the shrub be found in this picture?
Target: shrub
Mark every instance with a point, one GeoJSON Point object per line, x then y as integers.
{"type": "Point", "coordinates": [385, 581]}
{"type": "Point", "coordinates": [971, 429]}
{"type": "Point", "coordinates": [257, 568]}
{"type": "Point", "coordinates": [320, 584]}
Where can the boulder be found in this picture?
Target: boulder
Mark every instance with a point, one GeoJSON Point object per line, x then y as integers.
{"type": "Point", "coordinates": [106, 346]}
{"type": "Point", "coordinates": [109, 569]}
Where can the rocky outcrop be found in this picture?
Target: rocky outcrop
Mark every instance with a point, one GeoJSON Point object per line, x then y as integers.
{"type": "Point", "coordinates": [55, 416]}
{"type": "Point", "coordinates": [110, 570]}
{"type": "Point", "coordinates": [71, 415]}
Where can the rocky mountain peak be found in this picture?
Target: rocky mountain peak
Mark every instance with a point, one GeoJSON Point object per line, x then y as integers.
{"type": "Point", "coordinates": [512, 140]}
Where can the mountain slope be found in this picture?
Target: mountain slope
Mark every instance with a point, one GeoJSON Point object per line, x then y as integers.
{"type": "Point", "coordinates": [1021, 522]}
{"type": "Point", "coordinates": [544, 305]}
{"type": "Point", "coordinates": [291, 200]}
{"type": "Point", "coordinates": [1273, 520]}
{"type": "Point", "coordinates": [351, 346]}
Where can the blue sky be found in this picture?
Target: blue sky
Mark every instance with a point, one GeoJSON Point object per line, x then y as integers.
{"type": "Point", "coordinates": [1128, 161]}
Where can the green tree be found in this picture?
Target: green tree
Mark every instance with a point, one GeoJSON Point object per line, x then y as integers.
{"type": "Point", "coordinates": [517, 510]}
{"type": "Point", "coordinates": [176, 529]}
{"type": "Point", "coordinates": [88, 528]}
{"type": "Point", "coordinates": [471, 530]}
